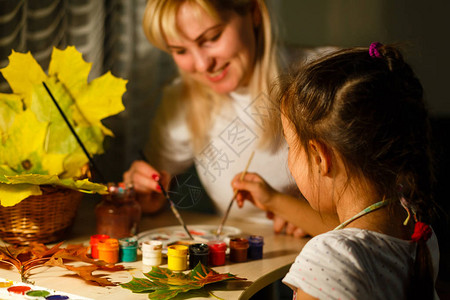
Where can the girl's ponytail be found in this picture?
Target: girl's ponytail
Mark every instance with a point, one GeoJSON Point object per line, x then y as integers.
{"type": "Point", "coordinates": [421, 284]}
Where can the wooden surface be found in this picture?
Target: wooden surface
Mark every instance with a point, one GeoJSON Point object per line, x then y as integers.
{"type": "Point", "coordinates": [278, 253]}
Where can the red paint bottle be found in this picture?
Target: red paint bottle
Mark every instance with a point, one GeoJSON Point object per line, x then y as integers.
{"type": "Point", "coordinates": [95, 239]}
{"type": "Point", "coordinates": [217, 251]}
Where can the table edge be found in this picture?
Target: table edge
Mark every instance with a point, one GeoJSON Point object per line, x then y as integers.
{"type": "Point", "coordinates": [264, 281]}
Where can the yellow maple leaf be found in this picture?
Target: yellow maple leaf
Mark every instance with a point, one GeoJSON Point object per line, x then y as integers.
{"type": "Point", "coordinates": [10, 105]}
{"type": "Point", "coordinates": [105, 91]}
{"type": "Point", "coordinates": [23, 73]}
{"type": "Point", "coordinates": [24, 137]}
{"type": "Point", "coordinates": [37, 147]}
{"type": "Point", "coordinates": [11, 194]}
{"type": "Point", "coordinates": [68, 65]}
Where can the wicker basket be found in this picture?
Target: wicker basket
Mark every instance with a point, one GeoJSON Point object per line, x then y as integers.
{"type": "Point", "coordinates": [44, 219]}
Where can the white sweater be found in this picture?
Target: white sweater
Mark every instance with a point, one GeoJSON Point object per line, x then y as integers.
{"type": "Point", "coordinates": [234, 135]}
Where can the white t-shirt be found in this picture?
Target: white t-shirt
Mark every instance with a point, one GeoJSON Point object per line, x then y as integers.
{"type": "Point", "coordinates": [352, 263]}
{"type": "Point", "coordinates": [234, 134]}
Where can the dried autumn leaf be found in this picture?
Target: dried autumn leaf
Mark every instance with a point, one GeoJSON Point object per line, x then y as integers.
{"type": "Point", "coordinates": [163, 284]}
{"type": "Point", "coordinates": [85, 271]}
{"type": "Point", "coordinates": [25, 258]}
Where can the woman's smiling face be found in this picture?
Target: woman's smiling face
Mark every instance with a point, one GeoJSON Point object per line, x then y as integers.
{"type": "Point", "coordinates": [218, 53]}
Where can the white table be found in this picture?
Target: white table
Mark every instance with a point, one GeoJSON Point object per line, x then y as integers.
{"type": "Point", "coordinates": [278, 254]}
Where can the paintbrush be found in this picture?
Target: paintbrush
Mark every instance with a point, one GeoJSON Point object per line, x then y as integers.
{"type": "Point", "coordinates": [175, 210]}
{"type": "Point", "coordinates": [225, 217]}
{"type": "Point", "coordinates": [97, 170]}
{"type": "Point", "coordinates": [172, 205]}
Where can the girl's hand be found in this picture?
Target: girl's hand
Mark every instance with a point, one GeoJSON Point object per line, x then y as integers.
{"type": "Point", "coordinates": [279, 224]}
{"type": "Point", "coordinates": [145, 180]}
{"type": "Point", "coordinates": [254, 189]}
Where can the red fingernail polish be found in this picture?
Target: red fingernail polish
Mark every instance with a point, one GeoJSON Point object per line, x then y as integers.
{"type": "Point", "coordinates": [158, 188]}
{"type": "Point", "coordinates": [155, 177]}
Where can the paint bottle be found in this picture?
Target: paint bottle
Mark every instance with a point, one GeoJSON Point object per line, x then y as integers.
{"type": "Point", "coordinates": [151, 253]}
{"type": "Point", "coordinates": [118, 213]}
{"type": "Point", "coordinates": [108, 250]}
{"type": "Point", "coordinates": [177, 257]}
{"type": "Point", "coordinates": [198, 253]}
{"type": "Point", "coordinates": [255, 249]}
{"type": "Point", "coordinates": [94, 243]}
{"type": "Point", "coordinates": [238, 249]}
{"type": "Point", "coordinates": [217, 253]}
{"type": "Point", "coordinates": [128, 249]}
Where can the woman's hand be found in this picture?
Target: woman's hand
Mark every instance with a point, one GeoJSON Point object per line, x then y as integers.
{"type": "Point", "coordinates": [145, 180]}
{"type": "Point", "coordinates": [255, 189]}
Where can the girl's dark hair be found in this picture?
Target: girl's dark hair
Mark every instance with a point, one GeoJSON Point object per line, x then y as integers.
{"type": "Point", "coordinates": [371, 111]}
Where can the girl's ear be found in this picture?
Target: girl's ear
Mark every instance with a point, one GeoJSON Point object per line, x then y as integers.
{"type": "Point", "coordinates": [321, 157]}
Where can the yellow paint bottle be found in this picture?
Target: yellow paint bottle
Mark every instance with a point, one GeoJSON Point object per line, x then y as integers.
{"type": "Point", "coordinates": [177, 257]}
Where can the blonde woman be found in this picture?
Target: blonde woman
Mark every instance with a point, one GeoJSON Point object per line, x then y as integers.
{"type": "Point", "coordinates": [218, 111]}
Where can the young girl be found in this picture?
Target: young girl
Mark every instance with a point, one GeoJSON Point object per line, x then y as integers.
{"type": "Point", "coordinates": [358, 133]}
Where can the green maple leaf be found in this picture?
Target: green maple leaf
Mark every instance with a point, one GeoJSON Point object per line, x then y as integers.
{"type": "Point", "coordinates": [35, 139]}
{"type": "Point", "coordinates": [163, 284]}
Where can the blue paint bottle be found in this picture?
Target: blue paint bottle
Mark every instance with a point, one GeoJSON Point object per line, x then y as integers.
{"type": "Point", "coordinates": [255, 249]}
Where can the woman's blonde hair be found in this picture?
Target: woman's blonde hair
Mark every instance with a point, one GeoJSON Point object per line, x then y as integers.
{"type": "Point", "coordinates": [200, 101]}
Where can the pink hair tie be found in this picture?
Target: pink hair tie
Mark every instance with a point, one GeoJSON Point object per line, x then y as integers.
{"type": "Point", "coordinates": [422, 231]}
{"type": "Point", "coordinates": [373, 49]}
